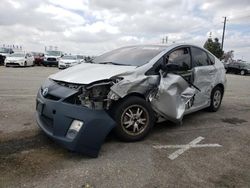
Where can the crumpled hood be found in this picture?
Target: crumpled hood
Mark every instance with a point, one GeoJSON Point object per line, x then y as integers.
{"type": "Point", "coordinates": [87, 73]}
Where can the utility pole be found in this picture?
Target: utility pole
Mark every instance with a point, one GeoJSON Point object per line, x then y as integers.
{"type": "Point", "coordinates": [223, 34]}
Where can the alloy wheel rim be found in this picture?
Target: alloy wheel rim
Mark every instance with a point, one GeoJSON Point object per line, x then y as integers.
{"type": "Point", "coordinates": [134, 120]}
{"type": "Point", "coordinates": [217, 98]}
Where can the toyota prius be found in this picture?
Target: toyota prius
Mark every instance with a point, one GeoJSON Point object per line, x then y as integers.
{"type": "Point", "coordinates": [128, 90]}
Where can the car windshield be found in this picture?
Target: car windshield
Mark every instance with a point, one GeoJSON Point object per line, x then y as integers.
{"type": "Point", "coordinates": [133, 56]}
{"type": "Point", "coordinates": [17, 55]}
{"type": "Point", "coordinates": [53, 53]}
{"type": "Point", "coordinates": [4, 50]}
{"type": "Point", "coordinates": [69, 57]}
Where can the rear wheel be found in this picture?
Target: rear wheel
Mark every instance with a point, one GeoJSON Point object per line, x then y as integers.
{"type": "Point", "coordinates": [242, 72]}
{"type": "Point", "coordinates": [134, 118]}
{"type": "Point", "coordinates": [216, 98]}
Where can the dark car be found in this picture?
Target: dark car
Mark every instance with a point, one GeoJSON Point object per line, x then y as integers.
{"type": "Point", "coordinates": [3, 53]}
{"type": "Point", "coordinates": [38, 58]}
{"type": "Point", "coordinates": [241, 68]}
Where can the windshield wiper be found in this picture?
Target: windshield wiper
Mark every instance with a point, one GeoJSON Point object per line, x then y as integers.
{"type": "Point", "coordinates": [113, 63]}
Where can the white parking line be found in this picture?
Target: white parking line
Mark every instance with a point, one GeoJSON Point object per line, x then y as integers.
{"type": "Point", "coordinates": [183, 148]}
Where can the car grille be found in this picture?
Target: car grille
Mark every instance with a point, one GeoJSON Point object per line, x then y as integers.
{"type": "Point", "coordinates": [51, 59]}
{"type": "Point", "coordinates": [69, 85]}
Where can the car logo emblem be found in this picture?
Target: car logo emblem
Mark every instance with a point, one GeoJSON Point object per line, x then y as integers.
{"type": "Point", "coordinates": [45, 91]}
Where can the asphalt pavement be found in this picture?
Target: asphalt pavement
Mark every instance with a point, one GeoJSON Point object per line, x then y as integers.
{"type": "Point", "coordinates": [208, 150]}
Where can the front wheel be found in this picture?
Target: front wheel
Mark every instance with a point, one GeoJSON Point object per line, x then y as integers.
{"type": "Point", "coordinates": [216, 98]}
{"type": "Point", "coordinates": [134, 118]}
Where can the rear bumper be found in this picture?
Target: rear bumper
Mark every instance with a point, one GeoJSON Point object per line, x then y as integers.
{"type": "Point", "coordinates": [55, 118]}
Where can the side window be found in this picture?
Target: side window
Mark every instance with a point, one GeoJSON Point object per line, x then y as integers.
{"type": "Point", "coordinates": [200, 57]}
{"type": "Point", "coordinates": [180, 57]}
{"type": "Point", "coordinates": [211, 58]}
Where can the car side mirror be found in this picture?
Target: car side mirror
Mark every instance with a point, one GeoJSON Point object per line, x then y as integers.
{"type": "Point", "coordinates": [170, 67]}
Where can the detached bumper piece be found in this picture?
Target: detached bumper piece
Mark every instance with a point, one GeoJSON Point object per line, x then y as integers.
{"type": "Point", "coordinates": [75, 127]}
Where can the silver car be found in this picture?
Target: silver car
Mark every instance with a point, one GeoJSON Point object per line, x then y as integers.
{"type": "Point", "coordinates": [127, 90]}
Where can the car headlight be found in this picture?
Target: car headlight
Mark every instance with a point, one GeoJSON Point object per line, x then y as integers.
{"type": "Point", "coordinates": [45, 58]}
{"type": "Point", "coordinates": [47, 83]}
{"type": "Point", "coordinates": [75, 127]}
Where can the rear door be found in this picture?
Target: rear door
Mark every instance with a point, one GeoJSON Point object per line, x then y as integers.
{"type": "Point", "coordinates": [204, 73]}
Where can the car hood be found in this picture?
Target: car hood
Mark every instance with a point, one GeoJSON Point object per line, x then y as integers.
{"type": "Point", "coordinates": [68, 61]}
{"type": "Point", "coordinates": [87, 73]}
{"type": "Point", "coordinates": [14, 58]}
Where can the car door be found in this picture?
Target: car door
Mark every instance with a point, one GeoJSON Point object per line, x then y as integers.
{"type": "Point", "coordinates": [204, 73]}
{"type": "Point", "coordinates": [175, 92]}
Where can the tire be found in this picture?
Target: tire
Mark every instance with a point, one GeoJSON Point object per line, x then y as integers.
{"type": "Point", "coordinates": [134, 118]}
{"type": "Point", "coordinates": [216, 98]}
{"type": "Point", "coordinates": [242, 72]}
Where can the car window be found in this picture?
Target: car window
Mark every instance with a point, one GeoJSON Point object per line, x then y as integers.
{"type": "Point", "coordinates": [200, 57]}
{"type": "Point", "coordinates": [181, 57]}
{"type": "Point", "coordinates": [132, 55]}
{"type": "Point", "coordinates": [211, 58]}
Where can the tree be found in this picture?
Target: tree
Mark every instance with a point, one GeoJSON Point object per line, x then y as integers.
{"type": "Point", "coordinates": [214, 47]}
{"type": "Point", "coordinates": [228, 56]}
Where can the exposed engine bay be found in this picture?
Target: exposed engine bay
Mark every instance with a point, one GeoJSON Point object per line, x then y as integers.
{"type": "Point", "coordinates": [95, 96]}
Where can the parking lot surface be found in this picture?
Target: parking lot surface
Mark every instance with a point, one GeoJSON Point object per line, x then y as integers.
{"type": "Point", "coordinates": [168, 157]}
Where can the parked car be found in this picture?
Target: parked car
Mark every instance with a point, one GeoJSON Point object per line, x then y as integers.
{"type": "Point", "coordinates": [127, 90]}
{"type": "Point", "coordinates": [19, 59]}
{"type": "Point", "coordinates": [52, 58]}
{"type": "Point", "coordinates": [38, 58]}
{"type": "Point", "coordinates": [241, 68]}
{"type": "Point", "coordinates": [4, 52]}
{"type": "Point", "coordinates": [70, 60]}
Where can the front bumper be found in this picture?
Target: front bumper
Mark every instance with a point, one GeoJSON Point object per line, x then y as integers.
{"type": "Point", "coordinates": [14, 64]}
{"type": "Point", "coordinates": [54, 117]}
{"type": "Point", "coordinates": [50, 63]}
{"type": "Point", "coordinates": [64, 66]}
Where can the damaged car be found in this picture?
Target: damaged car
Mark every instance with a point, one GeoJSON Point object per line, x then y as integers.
{"type": "Point", "coordinates": [128, 90]}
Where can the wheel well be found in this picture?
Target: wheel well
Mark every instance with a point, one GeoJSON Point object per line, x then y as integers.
{"type": "Point", "coordinates": [221, 86]}
{"type": "Point", "coordinates": [135, 94]}
{"type": "Point", "coordinates": [114, 103]}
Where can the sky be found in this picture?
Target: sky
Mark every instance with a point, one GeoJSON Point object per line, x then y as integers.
{"type": "Point", "coordinates": [92, 27]}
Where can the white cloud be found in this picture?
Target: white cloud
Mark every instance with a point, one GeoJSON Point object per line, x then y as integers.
{"type": "Point", "coordinates": [94, 26]}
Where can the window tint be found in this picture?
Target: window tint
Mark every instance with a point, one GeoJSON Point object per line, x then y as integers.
{"type": "Point", "coordinates": [180, 57]}
{"type": "Point", "coordinates": [200, 57]}
{"type": "Point", "coordinates": [211, 58]}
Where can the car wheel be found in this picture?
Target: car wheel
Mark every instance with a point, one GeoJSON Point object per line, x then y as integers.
{"type": "Point", "coordinates": [216, 98]}
{"type": "Point", "coordinates": [242, 72]}
{"type": "Point", "coordinates": [134, 118]}
{"type": "Point", "coordinates": [25, 64]}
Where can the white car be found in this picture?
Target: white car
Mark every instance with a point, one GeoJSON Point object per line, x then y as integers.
{"type": "Point", "coordinates": [19, 59]}
{"type": "Point", "coordinates": [70, 60]}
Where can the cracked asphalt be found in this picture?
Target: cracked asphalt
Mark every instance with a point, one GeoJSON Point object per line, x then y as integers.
{"type": "Point", "coordinates": [29, 159]}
